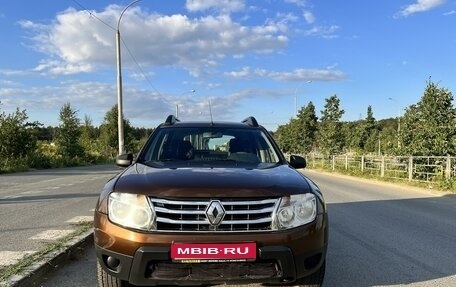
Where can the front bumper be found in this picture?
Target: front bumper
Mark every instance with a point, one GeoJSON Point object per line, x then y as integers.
{"type": "Point", "coordinates": [144, 258]}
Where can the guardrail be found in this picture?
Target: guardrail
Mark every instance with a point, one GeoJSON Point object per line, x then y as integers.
{"type": "Point", "coordinates": [411, 168]}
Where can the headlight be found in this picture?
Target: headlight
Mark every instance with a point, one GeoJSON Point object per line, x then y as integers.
{"type": "Point", "coordinates": [295, 210]}
{"type": "Point", "coordinates": [131, 210]}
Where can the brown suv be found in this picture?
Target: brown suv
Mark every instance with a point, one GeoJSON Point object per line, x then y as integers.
{"type": "Point", "coordinates": [207, 203]}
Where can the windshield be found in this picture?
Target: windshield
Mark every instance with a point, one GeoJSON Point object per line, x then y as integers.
{"type": "Point", "coordinates": [210, 146]}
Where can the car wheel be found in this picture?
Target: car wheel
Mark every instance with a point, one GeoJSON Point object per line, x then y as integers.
{"type": "Point", "coordinates": [313, 280]}
{"type": "Point", "coordinates": [107, 280]}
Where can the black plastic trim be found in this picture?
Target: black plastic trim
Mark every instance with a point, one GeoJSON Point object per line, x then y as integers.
{"type": "Point", "coordinates": [251, 121]}
{"type": "Point", "coordinates": [171, 120]}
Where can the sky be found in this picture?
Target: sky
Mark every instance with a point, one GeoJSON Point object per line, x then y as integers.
{"type": "Point", "coordinates": [240, 57]}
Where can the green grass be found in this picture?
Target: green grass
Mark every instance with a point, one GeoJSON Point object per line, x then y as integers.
{"type": "Point", "coordinates": [17, 268]}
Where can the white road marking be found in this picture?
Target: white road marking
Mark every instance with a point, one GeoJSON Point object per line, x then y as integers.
{"type": "Point", "coordinates": [79, 219]}
{"type": "Point", "coordinates": [51, 234]}
{"type": "Point", "coordinates": [9, 197]}
{"type": "Point", "coordinates": [67, 184]}
{"type": "Point", "coordinates": [32, 191]}
{"type": "Point", "coordinates": [12, 257]}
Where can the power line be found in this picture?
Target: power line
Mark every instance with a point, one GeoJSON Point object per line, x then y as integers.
{"type": "Point", "coordinates": [93, 15]}
{"type": "Point", "coordinates": [129, 52]}
{"type": "Point", "coordinates": [140, 68]}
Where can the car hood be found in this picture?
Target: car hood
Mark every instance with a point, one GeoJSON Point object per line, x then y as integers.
{"type": "Point", "coordinates": [212, 182]}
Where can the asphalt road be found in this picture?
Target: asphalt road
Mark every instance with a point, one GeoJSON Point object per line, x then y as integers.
{"type": "Point", "coordinates": [39, 207]}
{"type": "Point", "coordinates": [380, 235]}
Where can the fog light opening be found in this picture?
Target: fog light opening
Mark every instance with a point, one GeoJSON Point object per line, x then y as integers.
{"type": "Point", "coordinates": [112, 263]}
{"type": "Point", "coordinates": [312, 261]}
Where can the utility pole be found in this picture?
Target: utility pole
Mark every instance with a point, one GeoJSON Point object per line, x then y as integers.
{"type": "Point", "coordinates": [120, 124]}
{"type": "Point", "coordinates": [296, 99]}
{"type": "Point", "coordinates": [177, 104]}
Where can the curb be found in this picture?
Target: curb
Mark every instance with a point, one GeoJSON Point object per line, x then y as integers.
{"type": "Point", "coordinates": [35, 272]}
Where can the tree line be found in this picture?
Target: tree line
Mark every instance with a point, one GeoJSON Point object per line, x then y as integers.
{"type": "Point", "coordinates": [25, 144]}
{"type": "Point", "coordinates": [427, 128]}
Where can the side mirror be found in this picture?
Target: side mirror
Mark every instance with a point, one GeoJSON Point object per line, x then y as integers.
{"type": "Point", "coordinates": [124, 160]}
{"type": "Point", "coordinates": [297, 161]}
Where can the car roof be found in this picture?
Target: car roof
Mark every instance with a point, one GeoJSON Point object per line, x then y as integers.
{"type": "Point", "coordinates": [207, 124]}
{"type": "Point", "coordinates": [172, 121]}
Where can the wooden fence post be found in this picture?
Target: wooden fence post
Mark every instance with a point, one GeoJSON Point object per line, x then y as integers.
{"type": "Point", "coordinates": [382, 167]}
{"type": "Point", "coordinates": [448, 168]}
{"type": "Point", "coordinates": [410, 168]}
{"type": "Point", "coordinates": [362, 164]}
{"type": "Point", "coordinates": [333, 162]}
{"type": "Point", "coordinates": [346, 161]}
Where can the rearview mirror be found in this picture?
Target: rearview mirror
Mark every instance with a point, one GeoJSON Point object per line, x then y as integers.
{"type": "Point", "coordinates": [124, 160]}
{"type": "Point", "coordinates": [297, 161]}
{"type": "Point", "coordinates": [212, 135]}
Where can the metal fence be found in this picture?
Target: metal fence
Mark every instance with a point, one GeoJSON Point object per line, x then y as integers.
{"type": "Point", "coordinates": [411, 168]}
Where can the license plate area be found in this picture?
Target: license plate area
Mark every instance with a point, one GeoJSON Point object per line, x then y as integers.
{"type": "Point", "coordinates": [213, 252]}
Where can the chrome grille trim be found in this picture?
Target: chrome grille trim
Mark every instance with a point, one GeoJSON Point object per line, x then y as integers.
{"type": "Point", "coordinates": [190, 215]}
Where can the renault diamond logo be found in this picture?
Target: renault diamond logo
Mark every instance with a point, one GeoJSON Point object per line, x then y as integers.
{"type": "Point", "coordinates": [215, 212]}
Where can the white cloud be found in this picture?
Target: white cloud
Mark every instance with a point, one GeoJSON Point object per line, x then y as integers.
{"type": "Point", "coordinates": [309, 17]}
{"type": "Point", "coordinates": [297, 75]}
{"type": "Point", "coordinates": [300, 3]}
{"type": "Point", "coordinates": [7, 83]}
{"type": "Point", "coordinates": [287, 17]}
{"type": "Point", "coordinates": [14, 72]}
{"type": "Point", "coordinates": [452, 12]}
{"type": "Point", "coordinates": [92, 98]}
{"type": "Point", "coordinates": [141, 107]}
{"type": "Point", "coordinates": [75, 42]}
{"type": "Point", "coordinates": [141, 76]}
{"type": "Point", "coordinates": [219, 5]}
{"type": "Point", "coordinates": [244, 72]}
{"type": "Point", "coordinates": [327, 32]}
{"type": "Point", "coordinates": [420, 6]}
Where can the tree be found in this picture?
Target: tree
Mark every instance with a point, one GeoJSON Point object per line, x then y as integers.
{"type": "Point", "coordinates": [331, 136]}
{"type": "Point", "coordinates": [388, 135]}
{"type": "Point", "coordinates": [370, 134]}
{"type": "Point", "coordinates": [88, 135]}
{"type": "Point", "coordinates": [352, 133]}
{"type": "Point", "coordinates": [17, 136]}
{"type": "Point", "coordinates": [306, 128]}
{"type": "Point", "coordinates": [68, 133]}
{"type": "Point", "coordinates": [285, 137]}
{"type": "Point", "coordinates": [429, 126]}
{"type": "Point", "coordinates": [109, 133]}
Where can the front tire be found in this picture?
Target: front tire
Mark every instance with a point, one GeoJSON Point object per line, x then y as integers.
{"type": "Point", "coordinates": [107, 280]}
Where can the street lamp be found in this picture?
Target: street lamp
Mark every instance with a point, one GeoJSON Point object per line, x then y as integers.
{"type": "Point", "coordinates": [398, 121]}
{"type": "Point", "coordinates": [296, 99]}
{"type": "Point", "coordinates": [120, 125]}
{"type": "Point", "coordinates": [177, 104]}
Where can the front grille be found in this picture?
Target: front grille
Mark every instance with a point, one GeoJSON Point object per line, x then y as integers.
{"type": "Point", "coordinates": [190, 215]}
{"type": "Point", "coordinates": [214, 271]}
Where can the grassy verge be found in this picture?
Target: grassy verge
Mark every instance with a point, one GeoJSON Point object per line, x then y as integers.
{"type": "Point", "coordinates": [31, 163]}
{"type": "Point", "coordinates": [17, 268]}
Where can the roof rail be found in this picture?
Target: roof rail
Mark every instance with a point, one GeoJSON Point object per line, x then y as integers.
{"type": "Point", "coordinates": [171, 120]}
{"type": "Point", "coordinates": [251, 121]}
